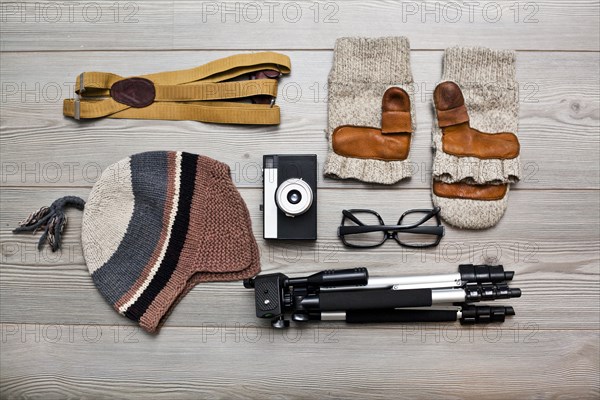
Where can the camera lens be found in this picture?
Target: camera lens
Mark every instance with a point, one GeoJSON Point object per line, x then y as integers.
{"type": "Point", "coordinates": [294, 197]}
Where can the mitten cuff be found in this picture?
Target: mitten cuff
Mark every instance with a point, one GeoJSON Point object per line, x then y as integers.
{"type": "Point", "coordinates": [369, 60]}
{"type": "Point", "coordinates": [480, 66]}
{"type": "Point", "coordinates": [450, 169]}
{"type": "Point", "coordinates": [471, 214]}
{"type": "Point", "coordinates": [367, 170]}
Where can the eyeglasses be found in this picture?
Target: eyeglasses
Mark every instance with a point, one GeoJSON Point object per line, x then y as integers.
{"type": "Point", "coordinates": [362, 228]}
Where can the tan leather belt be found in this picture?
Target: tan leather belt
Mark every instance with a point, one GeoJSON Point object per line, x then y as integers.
{"type": "Point", "coordinates": [198, 94]}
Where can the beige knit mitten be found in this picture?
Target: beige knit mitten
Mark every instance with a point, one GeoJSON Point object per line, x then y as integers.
{"type": "Point", "coordinates": [474, 136]}
{"type": "Point", "coordinates": [370, 112]}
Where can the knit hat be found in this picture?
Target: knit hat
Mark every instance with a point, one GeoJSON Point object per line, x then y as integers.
{"type": "Point", "coordinates": [155, 225]}
{"type": "Point", "coordinates": [472, 188]}
{"type": "Point", "coordinates": [364, 69]}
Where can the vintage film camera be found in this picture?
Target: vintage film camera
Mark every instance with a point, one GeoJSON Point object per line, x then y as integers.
{"type": "Point", "coordinates": [290, 196]}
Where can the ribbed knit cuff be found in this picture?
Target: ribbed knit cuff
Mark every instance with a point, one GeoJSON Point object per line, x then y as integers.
{"type": "Point", "coordinates": [469, 66]}
{"type": "Point", "coordinates": [372, 60]}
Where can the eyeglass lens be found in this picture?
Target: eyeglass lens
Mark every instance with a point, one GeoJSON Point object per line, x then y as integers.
{"type": "Point", "coordinates": [416, 239]}
{"type": "Point", "coordinates": [364, 239]}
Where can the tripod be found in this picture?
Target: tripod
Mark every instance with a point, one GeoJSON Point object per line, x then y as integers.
{"type": "Point", "coordinates": [352, 296]}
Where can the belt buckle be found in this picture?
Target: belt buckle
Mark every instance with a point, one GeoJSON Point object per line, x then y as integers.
{"type": "Point", "coordinates": [265, 74]}
{"type": "Point", "coordinates": [77, 100]}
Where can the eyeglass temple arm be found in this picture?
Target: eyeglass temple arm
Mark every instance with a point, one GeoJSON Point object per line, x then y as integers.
{"type": "Point", "coordinates": [352, 218]}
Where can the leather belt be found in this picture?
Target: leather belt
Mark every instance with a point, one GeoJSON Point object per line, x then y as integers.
{"type": "Point", "coordinates": [198, 94]}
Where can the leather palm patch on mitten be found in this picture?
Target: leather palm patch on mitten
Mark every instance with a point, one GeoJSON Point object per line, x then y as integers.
{"type": "Point", "coordinates": [458, 138]}
{"type": "Point", "coordinates": [391, 142]}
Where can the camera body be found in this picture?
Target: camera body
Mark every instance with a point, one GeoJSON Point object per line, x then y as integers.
{"type": "Point", "coordinates": [290, 196]}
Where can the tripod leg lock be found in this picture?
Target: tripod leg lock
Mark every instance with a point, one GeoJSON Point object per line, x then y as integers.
{"type": "Point", "coordinates": [484, 273]}
{"type": "Point", "coordinates": [484, 314]}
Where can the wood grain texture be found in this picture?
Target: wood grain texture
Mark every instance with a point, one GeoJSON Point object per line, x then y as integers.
{"type": "Point", "coordinates": [556, 263]}
{"type": "Point", "coordinates": [109, 25]}
{"type": "Point", "coordinates": [528, 233]}
{"type": "Point", "coordinates": [247, 362]}
{"type": "Point", "coordinates": [60, 339]}
{"type": "Point", "coordinates": [67, 295]}
{"type": "Point", "coordinates": [556, 113]}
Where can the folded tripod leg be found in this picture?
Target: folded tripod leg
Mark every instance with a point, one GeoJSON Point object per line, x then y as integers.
{"type": "Point", "coordinates": [390, 299]}
{"type": "Point", "coordinates": [467, 274]}
{"type": "Point", "coordinates": [467, 314]}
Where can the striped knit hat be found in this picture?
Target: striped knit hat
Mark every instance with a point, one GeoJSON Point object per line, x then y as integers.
{"type": "Point", "coordinates": [155, 225]}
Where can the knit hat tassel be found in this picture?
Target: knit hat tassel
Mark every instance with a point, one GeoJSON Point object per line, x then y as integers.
{"type": "Point", "coordinates": [52, 219]}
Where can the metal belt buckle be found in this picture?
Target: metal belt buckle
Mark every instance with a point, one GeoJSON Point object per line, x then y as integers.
{"type": "Point", "coordinates": [77, 100]}
{"type": "Point", "coordinates": [265, 74]}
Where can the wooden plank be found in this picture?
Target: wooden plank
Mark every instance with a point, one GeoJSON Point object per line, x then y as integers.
{"type": "Point", "coordinates": [105, 25]}
{"type": "Point", "coordinates": [32, 25]}
{"type": "Point", "coordinates": [556, 261]}
{"type": "Point", "coordinates": [246, 362]}
{"type": "Point", "coordinates": [60, 339]}
{"type": "Point", "coordinates": [317, 24]}
{"type": "Point", "coordinates": [40, 147]}
{"type": "Point", "coordinates": [66, 295]}
{"type": "Point", "coordinates": [525, 235]}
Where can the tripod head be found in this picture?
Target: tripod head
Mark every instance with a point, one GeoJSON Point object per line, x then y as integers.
{"type": "Point", "coordinates": [273, 296]}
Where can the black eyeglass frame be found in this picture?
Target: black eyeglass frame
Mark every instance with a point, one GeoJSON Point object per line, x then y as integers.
{"type": "Point", "coordinates": [391, 231]}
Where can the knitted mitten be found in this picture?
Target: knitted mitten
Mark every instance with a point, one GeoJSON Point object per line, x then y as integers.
{"type": "Point", "coordinates": [476, 149]}
{"type": "Point", "coordinates": [370, 113]}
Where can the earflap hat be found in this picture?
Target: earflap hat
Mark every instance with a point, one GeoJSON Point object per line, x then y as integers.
{"type": "Point", "coordinates": [155, 225]}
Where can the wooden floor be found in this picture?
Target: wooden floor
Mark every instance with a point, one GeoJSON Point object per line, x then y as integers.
{"type": "Point", "coordinates": [61, 339]}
